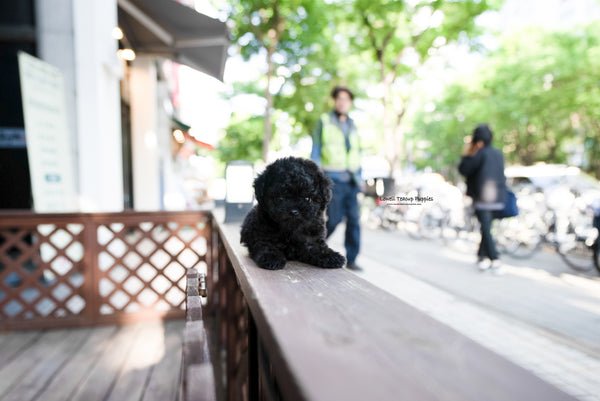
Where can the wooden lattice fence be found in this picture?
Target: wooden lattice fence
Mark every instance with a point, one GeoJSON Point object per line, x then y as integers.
{"type": "Point", "coordinates": [81, 269]}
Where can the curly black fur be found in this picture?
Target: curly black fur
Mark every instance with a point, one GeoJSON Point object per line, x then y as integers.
{"type": "Point", "coordinates": [288, 223]}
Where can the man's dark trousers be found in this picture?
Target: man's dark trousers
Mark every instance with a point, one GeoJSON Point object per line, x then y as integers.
{"type": "Point", "coordinates": [487, 247]}
{"type": "Point", "coordinates": [345, 204]}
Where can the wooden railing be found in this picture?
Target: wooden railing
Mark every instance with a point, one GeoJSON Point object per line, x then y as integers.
{"type": "Point", "coordinates": [61, 270]}
{"type": "Point", "coordinates": [304, 333]}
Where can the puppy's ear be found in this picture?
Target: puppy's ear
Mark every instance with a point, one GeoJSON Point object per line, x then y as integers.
{"type": "Point", "coordinates": [324, 187]}
{"type": "Point", "coordinates": [259, 187]}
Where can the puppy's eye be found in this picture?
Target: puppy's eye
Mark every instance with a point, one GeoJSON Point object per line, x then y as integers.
{"type": "Point", "coordinates": [308, 199]}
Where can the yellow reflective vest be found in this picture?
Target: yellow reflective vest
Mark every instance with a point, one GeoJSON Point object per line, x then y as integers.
{"type": "Point", "coordinates": [334, 155]}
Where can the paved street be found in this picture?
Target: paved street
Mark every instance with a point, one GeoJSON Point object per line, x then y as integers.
{"type": "Point", "coordinates": [540, 314]}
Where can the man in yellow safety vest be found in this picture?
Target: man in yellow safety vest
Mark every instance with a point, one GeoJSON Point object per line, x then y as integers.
{"type": "Point", "coordinates": [336, 149]}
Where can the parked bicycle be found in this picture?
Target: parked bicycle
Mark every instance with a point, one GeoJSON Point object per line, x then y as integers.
{"type": "Point", "coordinates": [563, 221]}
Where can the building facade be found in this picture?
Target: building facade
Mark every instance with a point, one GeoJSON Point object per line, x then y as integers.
{"type": "Point", "coordinates": [119, 131]}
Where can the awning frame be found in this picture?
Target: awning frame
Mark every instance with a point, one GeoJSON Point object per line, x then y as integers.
{"type": "Point", "coordinates": [168, 45]}
{"type": "Point", "coordinates": [146, 21]}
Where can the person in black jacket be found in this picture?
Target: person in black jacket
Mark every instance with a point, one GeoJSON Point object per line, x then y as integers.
{"type": "Point", "coordinates": [483, 167]}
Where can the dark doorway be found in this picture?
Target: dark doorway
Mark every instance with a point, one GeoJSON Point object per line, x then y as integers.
{"type": "Point", "coordinates": [17, 33]}
{"type": "Point", "coordinates": [127, 158]}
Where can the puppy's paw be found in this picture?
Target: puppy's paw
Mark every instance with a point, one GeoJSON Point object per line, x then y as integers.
{"type": "Point", "coordinates": [268, 258]}
{"type": "Point", "coordinates": [272, 263]}
{"type": "Point", "coordinates": [332, 260]}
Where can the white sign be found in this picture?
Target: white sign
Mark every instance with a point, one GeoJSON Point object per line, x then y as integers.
{"type": "Point", "coordinates": [238, 181]}
{"type": "Point", "coordinates": [46, 132]}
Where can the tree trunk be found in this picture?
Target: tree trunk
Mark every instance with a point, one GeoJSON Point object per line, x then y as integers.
{"type": "Point", "coordinates": [528, 151]}
{"type": "Point", "coordinates": [552, 145]}
{"type": "Point", "coordinates": [399, 144]}
{"type": "Point", "coordinates": [388, 134]}
{"type": "Point", "coordinates": [594, 155]}
{"type": "Point", "coordinates": [268, 129]}
{"type": "Point", "coordinates": [388, 112]}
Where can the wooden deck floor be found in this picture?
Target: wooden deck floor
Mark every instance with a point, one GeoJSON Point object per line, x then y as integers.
{"type": "Point", "coordinates": [112, 363]}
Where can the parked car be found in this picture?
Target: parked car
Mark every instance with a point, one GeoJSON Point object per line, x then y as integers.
{"type": "Point", "coordinates": [545, 176]}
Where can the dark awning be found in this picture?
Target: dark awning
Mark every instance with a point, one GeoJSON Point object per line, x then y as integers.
{"type": "Point", "coordinates": [169, 29]}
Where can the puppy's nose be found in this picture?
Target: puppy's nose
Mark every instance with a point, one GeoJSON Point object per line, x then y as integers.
{"type": "Point", "coordinates": [294, 212]}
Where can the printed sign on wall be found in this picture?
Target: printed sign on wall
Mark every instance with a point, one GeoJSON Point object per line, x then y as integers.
{"type": "Point", "coordinates": [46, 131]}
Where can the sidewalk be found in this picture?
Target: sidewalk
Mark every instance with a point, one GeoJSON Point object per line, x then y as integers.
{"type": "Point", "coordinates": [535, 331]}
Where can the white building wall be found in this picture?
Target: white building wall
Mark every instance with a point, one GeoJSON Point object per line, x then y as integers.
{"type": "Point", "coordinates": [98, 105]}
{"type": "Point", "coordinates": [169, 182]}
{"type": "Point", "coordinates": [144, 134]}
{"type": "Point", "coordinates": [76, 37]}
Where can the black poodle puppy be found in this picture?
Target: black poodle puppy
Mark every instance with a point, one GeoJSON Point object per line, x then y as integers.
{"type": "Point", "coordinates": [288, 223]}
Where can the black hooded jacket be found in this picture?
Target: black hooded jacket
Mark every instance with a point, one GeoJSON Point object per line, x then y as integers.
{"type": "Point", "coordinates": [484, 173]}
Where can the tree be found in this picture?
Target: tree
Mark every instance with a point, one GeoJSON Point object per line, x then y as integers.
{"type": "Point", "coordinates": [243, 139]}
{"type": "Point", "coordinates": [541, 97]}
{"type": "Point", "coordinates": [400, 36]}
{"type": "Point", "coordinates": [286, 33]}
{"type": "Point", "coordinates": [307, 89]}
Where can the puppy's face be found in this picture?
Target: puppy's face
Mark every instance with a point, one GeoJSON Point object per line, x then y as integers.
{"type": "Point", "coordinates": [293, 191]}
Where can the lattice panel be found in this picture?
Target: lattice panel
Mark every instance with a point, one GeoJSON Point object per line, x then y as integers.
{"type": "Point", "coordinates": [41, 272]}
{"type": "Point", "coordinates": [144, 266]}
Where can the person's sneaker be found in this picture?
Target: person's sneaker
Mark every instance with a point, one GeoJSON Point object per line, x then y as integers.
{"type": "Point", "coordinates": [496, 268]}
{"type": "Point", "coordinates": [354, 266]}
{"type": "Point", "coordinates": [483, 264]}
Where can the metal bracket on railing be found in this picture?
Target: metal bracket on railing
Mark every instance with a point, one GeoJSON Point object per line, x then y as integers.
{"type": "Point", "coordinates": [202, 285]}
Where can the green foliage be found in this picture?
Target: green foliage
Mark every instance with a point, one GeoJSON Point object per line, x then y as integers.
{"type": "Point", "coordinates": [285, 24]}
{"type": "Point", "coordinates": [314, 45]}
{"type": "Point", "coordinates": [306, 54]}
{"type": "Point", "coordinates": [243, 140]}
{"type": "Point", "coordinates": [399, 37]}
{"type": "Point", "coordinates": [541, 96]}
{"type": "Point", "coordinates": [307, 89]}
{"type": "Point", "coordinates": [539, 91]}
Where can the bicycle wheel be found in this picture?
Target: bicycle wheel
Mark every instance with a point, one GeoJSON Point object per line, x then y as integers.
{"type": "Point", "coordinates": [373, 220]}
{"type": "Point", "coordinates": [449, 233]}
{"type": "Point", "coordinates": [519, 242]}
{"type": "Point", "coordinates": [430, 226]}
{"type": "Point", "coordinates": [576, 254]}
{"type": "Point", "coordinates": [525, 250]}
{"type": "Point", "coordinates": [521, 236]}
{"type": "Point", "coordinates": [505, 236]}
{"type": "Point", "coordinates": [468, 236]}
{"type": "Point", "coordinates": [411, 223]}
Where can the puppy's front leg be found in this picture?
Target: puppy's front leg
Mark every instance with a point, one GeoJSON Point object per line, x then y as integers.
{"type": "Point", "coordinates": [319, 254]}
{"type": "Point", "coordinates": [268, 257]}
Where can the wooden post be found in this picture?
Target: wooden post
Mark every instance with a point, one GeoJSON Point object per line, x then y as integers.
{"type": "Point", "coordinates": [90, 276]}
{"type": "Point", "coordinates": [198, 382]}
{"type": "Point", "coordinates": [253, 376]}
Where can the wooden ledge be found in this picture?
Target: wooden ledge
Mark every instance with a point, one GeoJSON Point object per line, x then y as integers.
{"type": "Point", "coordinates": [330, 335]}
